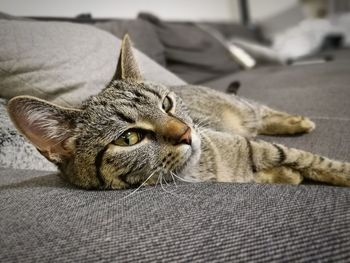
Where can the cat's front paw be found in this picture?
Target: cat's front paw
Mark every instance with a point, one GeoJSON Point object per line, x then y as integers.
{"type": "Point", "coordinates": [300, 124]}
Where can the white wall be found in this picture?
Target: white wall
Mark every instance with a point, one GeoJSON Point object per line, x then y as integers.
{"type": "Point", "coordinates": [265, 9]}
{"type": "Point", "coordinates": [167, 9]}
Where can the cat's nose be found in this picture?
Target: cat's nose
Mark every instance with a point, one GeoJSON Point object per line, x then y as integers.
{"type": "Point", "coordinates": [186, 137]}
{"type": "Point", "coordinates": [176, 132]}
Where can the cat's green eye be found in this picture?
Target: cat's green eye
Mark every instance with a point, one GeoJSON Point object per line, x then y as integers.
{"type": "Point", "coordinates": [129, 138]}
{"type": "Point", "coordinates": [167, 104]}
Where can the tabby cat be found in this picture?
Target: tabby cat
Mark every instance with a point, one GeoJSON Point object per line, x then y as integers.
{"type": "Point", "coordinates": [136, 132]}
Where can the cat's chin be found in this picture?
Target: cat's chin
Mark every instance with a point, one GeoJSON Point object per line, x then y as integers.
{"type": "Point", "coordinates": [191, 155]}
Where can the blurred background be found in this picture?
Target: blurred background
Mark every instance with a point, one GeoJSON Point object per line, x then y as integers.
{"type": "Point", "coordinates": [229, 35]}
{"type": "Point", "coordinates": [223, 10]}
{"type": "Point", "coordinates": [272, 15]}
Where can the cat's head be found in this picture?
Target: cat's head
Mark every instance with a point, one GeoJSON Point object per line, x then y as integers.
{"type": "Point", "coordinates": [132, 131]}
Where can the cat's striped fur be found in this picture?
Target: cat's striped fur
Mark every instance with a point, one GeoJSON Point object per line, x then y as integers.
{"type": "Point", "coordinates": [136, 132]}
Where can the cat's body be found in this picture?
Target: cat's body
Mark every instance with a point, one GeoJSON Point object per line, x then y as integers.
{"type": "Point", "coordinates": [136, 132]}
{"type": "Point", "coordinates": [228, 125]}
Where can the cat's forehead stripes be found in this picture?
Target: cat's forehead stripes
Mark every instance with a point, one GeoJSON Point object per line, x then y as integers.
{"type": "Point", "coordinates": [139, 89]}
{"type": "Point", "coordinates": [131, 95]}
{"type": "Point", "coordinates": [124, 117]}
{"type": "Point", "coordinates": [154, 92]}
{"type": "Point", "coordinates": [128, 102]}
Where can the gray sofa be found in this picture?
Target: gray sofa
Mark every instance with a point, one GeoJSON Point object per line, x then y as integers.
{"type": "Point", "coordinates": [43, 219]}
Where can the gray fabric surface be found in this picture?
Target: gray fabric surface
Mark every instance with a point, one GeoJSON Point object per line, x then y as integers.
{"type": "Point", "coordinates": [44, 220]}
{"type": "Point", "coordinates": [320, 90]}
{"type": "Point", "coordinates": [141, 32]}
{"type": "Point", "coordinates": [62, 62]}
{"type": "Point", "coordinates": [11, 17]}
{"type": "Point", "coordinates": [191, 52]}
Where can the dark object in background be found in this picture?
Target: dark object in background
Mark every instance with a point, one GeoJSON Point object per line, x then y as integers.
{"type": "Point", "coordinates": [309, 61]}
{"type": "Point", "coordinates": [84, 18]}
{"type": "Point", "coordinates": [233, 87]}
{"type": "Point", "coordinates": [333, 41]}
{"type": "Point", "coordinates": [244, 12]}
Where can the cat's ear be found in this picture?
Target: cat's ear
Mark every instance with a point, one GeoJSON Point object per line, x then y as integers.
{"type": "Point", "coordinates": [127, 68]}
{"type": "Point", "coordinates": [49, 127]}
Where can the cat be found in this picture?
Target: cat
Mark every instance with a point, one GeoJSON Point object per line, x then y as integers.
{"type": "Point", "coordinates": [135, 133]}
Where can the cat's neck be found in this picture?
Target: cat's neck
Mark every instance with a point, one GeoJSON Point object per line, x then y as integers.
{"type": "Point", "coordinates": [217, 158]}
{"type": "Point", "coordinates": [203, 162]}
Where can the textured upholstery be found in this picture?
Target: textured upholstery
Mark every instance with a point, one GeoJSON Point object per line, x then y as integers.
{"type": "Point", "coordinates": [142, 33]}
{"type": "Point", "coordinates": [44, 220]}
{"type": "Point", "coordinates": [195, 59]}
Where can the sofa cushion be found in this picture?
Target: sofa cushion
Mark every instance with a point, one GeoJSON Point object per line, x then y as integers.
{"type": "Point", "coordinates": [44, 219]}
{"type": "Point", "coordinates": [192, 52]}
{"type": "Point", "coordinates": [141, 32]}
{"type": "Point", "coordinates": [62, 62]}
{"type": "Point", "coordinates": [317, 90]}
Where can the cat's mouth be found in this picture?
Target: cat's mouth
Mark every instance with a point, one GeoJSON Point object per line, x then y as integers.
{"type": "Point", "coordinates": [182, 155]}
{"type": "Point", "coordinates": [190, 154]}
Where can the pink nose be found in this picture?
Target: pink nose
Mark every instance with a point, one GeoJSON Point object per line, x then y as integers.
{"type": "Point", "coordinates": [186, 137]}
{"type": "Point", "coordinates": [175, 132]}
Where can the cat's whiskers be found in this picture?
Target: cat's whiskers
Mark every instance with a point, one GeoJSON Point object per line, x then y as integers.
{"type": "Point", "coordinates": [161, 180]}
{"type": "Point", "coordinates": [172, 178]}
{"type": "Point", "coordinates": [182, 179]}
{"type": "Point", "coordinates": [161, 184]}
{"type": "Point", "coordinates": [200, 129]}
{"type": "Point", "coordinates": [138, 188]}
{"type": "Point", "coordinates": [167, 171]}
{"type": "Point", "coordinates": [203, 124]}
{"type": "Point", "coordinates": [205, 121]}
{"type": "Point", "coordinates": [166, 182]}
{"type": "Point", "coordinates": [157, 180]}
{"type": "Point", "coordinates": [174, 181]}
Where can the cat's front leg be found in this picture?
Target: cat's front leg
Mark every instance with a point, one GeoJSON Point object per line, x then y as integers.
{"type": "Point", "coordinates": [234, 158]}
{"type": "Point", "coordinates": [276, 163]}
{"type": "Point", "coordinates": [279, 175]}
